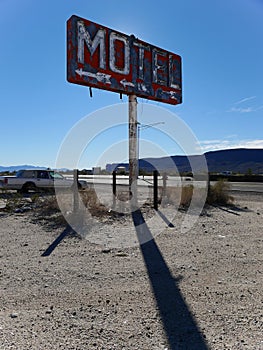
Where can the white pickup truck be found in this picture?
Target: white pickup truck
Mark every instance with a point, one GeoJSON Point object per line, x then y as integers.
{"type": "Point", "coordinates": [36, 180]}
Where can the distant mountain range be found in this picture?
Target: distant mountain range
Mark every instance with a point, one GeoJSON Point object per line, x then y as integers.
{"type": "Point", "coordinates": [15, 168]}
{"type": "Point", "coordinates": [19, 167]}
{"type": "Point", "coordinates": [236, 160]}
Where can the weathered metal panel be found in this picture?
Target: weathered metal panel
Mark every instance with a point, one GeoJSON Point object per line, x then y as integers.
{"type": "Point", "coordinates": [107, 59]}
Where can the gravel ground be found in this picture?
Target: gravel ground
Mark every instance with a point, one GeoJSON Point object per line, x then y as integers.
{"type": "Point", "coordinates": [196, 290]}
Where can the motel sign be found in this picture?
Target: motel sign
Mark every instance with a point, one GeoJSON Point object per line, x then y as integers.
{"type": "Point", "coordinates": [106, 59]}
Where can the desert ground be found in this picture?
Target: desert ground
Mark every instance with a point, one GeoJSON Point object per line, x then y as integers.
{"type": "Point", "coordinates": [200, 289]}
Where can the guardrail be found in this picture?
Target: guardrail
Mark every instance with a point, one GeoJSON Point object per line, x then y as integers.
{"type": "Point", "coordinates": [237, 178]}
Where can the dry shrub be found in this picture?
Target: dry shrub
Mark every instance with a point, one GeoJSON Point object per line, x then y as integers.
{"type": "Point", "coordinates": [123, 196]}
{"type": "Point", "coordinates": [186, 195]}
{"type": "Point", "coordinates": [49, 204]}
{"type": "Point", "coordinates": [16, 201]}
{"type": "Point", "coordinates": [171, 195]}
{"type": "Point", "coordinates": [13, 201]}
{"type": "Point", "coordinates": [92, 203]}
{"type": "Point", "coordinates": [181, 196]}
{"type": "Point", "coordinates": [218, 193]}
{"type": "Point", "coordinates": [48, 212]}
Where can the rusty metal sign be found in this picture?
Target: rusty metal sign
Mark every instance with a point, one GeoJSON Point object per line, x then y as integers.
{"type": "Point", "coordinates": [106, 59]}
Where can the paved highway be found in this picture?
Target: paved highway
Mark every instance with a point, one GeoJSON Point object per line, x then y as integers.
{"type": "Point", "coordinates": [173, 181]}
{"type": "Point", "coordinates": [247, 186]}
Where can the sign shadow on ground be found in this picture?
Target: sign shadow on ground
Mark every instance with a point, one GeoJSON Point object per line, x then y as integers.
{"type": "Point", "coordinates": [179, 324]}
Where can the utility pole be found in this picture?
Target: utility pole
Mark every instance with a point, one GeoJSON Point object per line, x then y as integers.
{"type": "Point", "coordinates": [133, 150]}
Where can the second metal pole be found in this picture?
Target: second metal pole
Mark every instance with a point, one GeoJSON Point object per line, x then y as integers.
{"type": "Point", "coordinates": [133, 150]}
{"type": "Point", "coordinates": [155, 189]}
{"type": "Point", "coordinates": [75, 191]}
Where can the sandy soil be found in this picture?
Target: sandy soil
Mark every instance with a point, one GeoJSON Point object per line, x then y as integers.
{"type": "Point", "coordinates": [197, 290]}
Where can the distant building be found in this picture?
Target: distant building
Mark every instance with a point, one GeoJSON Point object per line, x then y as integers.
{"type": "Point", "coordinates": [96, 170]}
{"type": "Point", "coordinates": [121, 170]}
{"type": "Point", "coordinates": [114, 166]}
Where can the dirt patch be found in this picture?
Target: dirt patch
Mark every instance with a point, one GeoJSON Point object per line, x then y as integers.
{"type": "Point", "coordinates": [197, 290]}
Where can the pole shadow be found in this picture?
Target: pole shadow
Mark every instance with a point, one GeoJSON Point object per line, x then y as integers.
{"type": "Point", "coordinates": [162, 216]}
{"type": "Point", "coordinates": [68, 230]}
{"type": "Point", "coordinates": [179, 324]}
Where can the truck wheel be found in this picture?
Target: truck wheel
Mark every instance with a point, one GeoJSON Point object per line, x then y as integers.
{"type": "Point", "coordinates": [29, 186]}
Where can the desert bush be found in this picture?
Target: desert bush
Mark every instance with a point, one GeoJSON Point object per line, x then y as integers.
{"type": "Point", "coordinates": [178, 196]}
{"type": "Point", "coordinates": [171, 195]}
{"type": "Point", "coordinates": [182, 197]}
{"type": "Point", "coordinates": [15, 201]}
{"type": "Point", "coordinates": [48, 204]}
{"type": "Point", "coordinates": [218, 193]}
{"type": "Point", "coordinates": [186, 195]}
{"type": "Point", "coordinates": [48, 212]}
{"type": "Point", "coordinates": [92, 203]}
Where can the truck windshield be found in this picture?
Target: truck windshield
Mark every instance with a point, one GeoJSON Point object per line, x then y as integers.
{"type": "Point", "coordinates": [55, 175]}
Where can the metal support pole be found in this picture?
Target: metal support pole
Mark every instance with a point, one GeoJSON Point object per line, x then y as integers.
{"type": "Point", "coordinates": [114, 185]}
{"type": "Point", "coordinates": [155, 189]}
{"type": "Point", "coordinates": [164, 184]}
{"type": "Point", "coordinates": [133, 150]}
{"type": "Point", "coordinates": [75, 191]}
{"type": "Point", "coordinates": [138, 150]}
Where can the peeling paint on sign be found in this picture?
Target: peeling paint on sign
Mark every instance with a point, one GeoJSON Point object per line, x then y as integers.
{"type": "Point", "coordinates": [106, 59]}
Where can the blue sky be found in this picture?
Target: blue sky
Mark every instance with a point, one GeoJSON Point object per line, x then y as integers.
{"type": "Point", "coordinates": [221, 47]}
